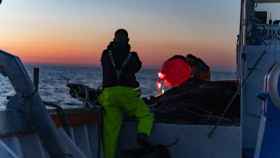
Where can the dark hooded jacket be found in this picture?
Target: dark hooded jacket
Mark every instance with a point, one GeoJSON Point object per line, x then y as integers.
{"type": "Point", "coordinates": [120, 54]}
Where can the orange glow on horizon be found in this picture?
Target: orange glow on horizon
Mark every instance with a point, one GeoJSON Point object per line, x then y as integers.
{"type": "Point", "coordinates": [151, 53]}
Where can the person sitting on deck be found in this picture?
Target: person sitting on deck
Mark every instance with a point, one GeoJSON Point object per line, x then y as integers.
{"type": "Point", "coordinates": [120, 94]}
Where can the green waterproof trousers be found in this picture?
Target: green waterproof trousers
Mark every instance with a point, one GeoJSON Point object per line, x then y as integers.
{"type": "Point", "coordinates": [116, 101]}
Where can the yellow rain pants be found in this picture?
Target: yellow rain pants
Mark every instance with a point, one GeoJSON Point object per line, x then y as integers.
{"type": "Point", "coordinates": [116, 101]}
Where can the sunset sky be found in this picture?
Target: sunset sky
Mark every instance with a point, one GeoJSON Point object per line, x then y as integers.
{"type": "Point", "coordinates": [76, 32]}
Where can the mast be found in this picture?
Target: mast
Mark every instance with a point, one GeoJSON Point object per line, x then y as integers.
{"type": "Point", "coordinates": [246, 24]}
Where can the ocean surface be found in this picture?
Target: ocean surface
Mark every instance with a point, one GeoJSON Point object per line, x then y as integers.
{"type": "Point", "coordinates": [53, 80]}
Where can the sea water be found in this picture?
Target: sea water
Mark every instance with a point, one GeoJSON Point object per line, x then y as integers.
{"type": "Point", "coordinates": [54, 78]}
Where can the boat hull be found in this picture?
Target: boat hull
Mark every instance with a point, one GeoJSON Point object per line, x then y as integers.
{"type": "Point", "coordinates": [192, 139]}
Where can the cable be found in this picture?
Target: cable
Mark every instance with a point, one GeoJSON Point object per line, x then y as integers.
{"type": "Point", "coordinates": [62, 115]}
{"type": "Point", "coordinates": [212, 131]}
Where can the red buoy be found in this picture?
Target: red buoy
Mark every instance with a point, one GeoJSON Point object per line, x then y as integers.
{"type": "Point", "coordinates": [175, 71]}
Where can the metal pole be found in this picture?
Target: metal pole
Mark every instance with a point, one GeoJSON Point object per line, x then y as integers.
{"type": "Point", "coordinates": [36, 77]}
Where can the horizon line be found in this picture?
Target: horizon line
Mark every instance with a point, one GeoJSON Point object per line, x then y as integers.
{"type": "Point", "coordinates": [80, 65]}
{"type": "Point", "coordinates": [213, 69]}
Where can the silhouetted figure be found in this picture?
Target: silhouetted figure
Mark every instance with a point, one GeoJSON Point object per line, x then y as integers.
{"type": "Point", "coordinates": [120, 94]}
{"type": "Point", "coordinates": [119, 64]}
